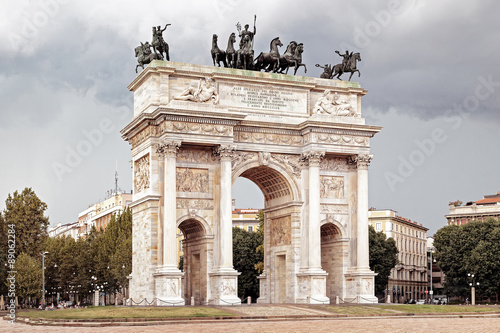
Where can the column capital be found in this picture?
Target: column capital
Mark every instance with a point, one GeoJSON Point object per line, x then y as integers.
{"type": "Point", "coordinates": [359, 161]}
{"type": "Point", "coordinates": [224, 152]}
{"type": "Point", "coordinates": [313, 157]}
{"type": "Point", "coordinates": [168, 148]}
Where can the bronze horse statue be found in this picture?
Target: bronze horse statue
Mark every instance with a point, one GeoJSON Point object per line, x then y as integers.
{"type": "Point", "coordinates": [144, 55]}
{"type": "Point", "coordinates": [350, 67]}
{"type": "Point", "coordinates": [292, 57]}
{"type": "Point", "coordinates": [270, 59]}
{"type": "Point", "coordinates": [230, 52]}
{"type": "Point", "coordinates": [218, 55]}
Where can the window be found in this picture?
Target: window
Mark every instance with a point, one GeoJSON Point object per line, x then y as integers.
{"type": "Point", "coordinates": [378, 226]}
{"type": "Point", "coordinates": [250, 228]}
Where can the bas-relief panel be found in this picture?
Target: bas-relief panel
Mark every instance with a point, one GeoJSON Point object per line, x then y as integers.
{"type": "Point", "coordinates": [332, 187]}
{"type": "Point", "coordinates": [281, 231]}
{"type": "Point", "coordinates": [141, 175]}
{"type": "Point", "coordinates": [192, 180]}
{"type": "Point", "coordinates": [194, 203]}
{"type": "Point", "coordinates": [195, 155]}
{"type": "Point", "coordinates": [268, 138]}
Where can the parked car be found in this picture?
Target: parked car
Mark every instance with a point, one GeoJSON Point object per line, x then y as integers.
{"type": "Point", "coordinates": [420, 302]}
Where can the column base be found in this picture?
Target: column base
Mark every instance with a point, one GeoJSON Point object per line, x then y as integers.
{"type": "Point", "coordinates": [168, 287]}
{"type": "Point", "coordinates": [312, 287]}
{"type": "Point", "coordinates": [224, 284]}
{"type": "Point", "coordinates": [263, 289]}
{"type": "Point", "coordinates": [360, 286]}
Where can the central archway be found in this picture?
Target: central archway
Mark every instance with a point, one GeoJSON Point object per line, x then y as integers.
{"type": "Point", "coordinates": [281, 230]}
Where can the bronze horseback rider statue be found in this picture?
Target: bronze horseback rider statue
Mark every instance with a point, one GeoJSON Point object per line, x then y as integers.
{"type": "Point", "coordinates": [159, 44]}
{"type": "Point", "coordinates": [348, 65]}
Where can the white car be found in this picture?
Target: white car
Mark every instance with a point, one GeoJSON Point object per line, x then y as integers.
{"type": "Point", "coordinates": [420, 302]}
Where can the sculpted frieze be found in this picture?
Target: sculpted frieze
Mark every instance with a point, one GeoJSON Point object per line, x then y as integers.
{"type": "Point", "coordinates": [331, 163]}
{"type": "Point", "coordinates": [268, 138]}
{"type": "Point", "coordinates": [290, 162]}
{"type": "Point", "coordinates": [183, 203]}
{"type": "Point", "coordinates": [192, 180]}
{"type": "Point", "coordinates": [339, 139]}
{"type": "Point", "coordinates": [281, 231]}
{"type": "Point", "coordinates": [332, 187]}
{"type": "Point", "coordinates": [334, 209]}
{"type": "Point", "coordinates": [195, 155]}
{"type": "Point", "coordinates": [193, 128]}
{"type": "Point", "coordinates": [141, 175]}
{"type": "Point", "coordinates": [241, 157]}
{"type": "Point", "coordinates": [143, 136]}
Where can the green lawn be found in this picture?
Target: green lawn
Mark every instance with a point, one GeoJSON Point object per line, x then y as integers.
{"type": "Point", "coordinates": [111, 312]}
{"type": "Point", "coordinates": [427, 308]}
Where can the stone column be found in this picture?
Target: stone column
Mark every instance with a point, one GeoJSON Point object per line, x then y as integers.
{"type": "Point", "coordinates": [224, 276]}
{"type": "Point", "coordinates": [168, 276]}
{"type": "Point", "coordinates": [362, 225]}
{"type": "Point", "coordinates": [360, 280]}
{"type": "Point", "coordinates": [312, 278]}
{"type": "Point", "coordinates": [314, 236]}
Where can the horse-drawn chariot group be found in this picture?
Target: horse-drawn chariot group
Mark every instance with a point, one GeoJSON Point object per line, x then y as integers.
{"type": "Point", "coordinates": [244, 56]}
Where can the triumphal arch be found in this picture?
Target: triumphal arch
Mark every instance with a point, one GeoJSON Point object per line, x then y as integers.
{"type": "Point", "coordinates": [302, 140]}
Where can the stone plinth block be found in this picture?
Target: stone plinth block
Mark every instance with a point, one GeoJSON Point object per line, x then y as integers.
{"type": "Point", "coordinates": [168, 289]}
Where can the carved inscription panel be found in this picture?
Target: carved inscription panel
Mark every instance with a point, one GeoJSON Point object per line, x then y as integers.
{"type": "Point", "coordinates": [268, 98]}
{"type": "Point", "coordinates": [192, 180]}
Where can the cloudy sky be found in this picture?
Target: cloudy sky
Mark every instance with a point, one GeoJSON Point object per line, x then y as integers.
{"type": "Point", "coordinates": [431, 68]}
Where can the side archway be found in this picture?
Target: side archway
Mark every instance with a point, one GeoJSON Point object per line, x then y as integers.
{"type": "Point", "coordinates": [334, 249]}
{"type": "Point", "coordinates": [195, 244]}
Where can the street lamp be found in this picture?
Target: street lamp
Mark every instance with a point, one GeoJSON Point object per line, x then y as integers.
{"type": "Point", "coordinates": [473, 285]}
{"type": "Point", "coordinates": [43, 278]}
{"type": "Point", "coordinates": [431, 249]}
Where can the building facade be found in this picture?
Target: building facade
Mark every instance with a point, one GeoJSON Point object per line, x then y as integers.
{"type": "Point", "coordinates": [61, 230]}
{"type": "Point", "coordinates": [408, 280]}
{"type": "Point", "coordinates": [479, 210]}
{"type": "Point", "coordinates": [99, 215]}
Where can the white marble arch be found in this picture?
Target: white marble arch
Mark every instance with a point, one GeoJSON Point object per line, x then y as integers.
{"type": "Point", "coordinates": [208, 230]}
{"type": "Point", "coordinates": [263, 128]}
{"type": "Point", "coordinates": [278, 168]}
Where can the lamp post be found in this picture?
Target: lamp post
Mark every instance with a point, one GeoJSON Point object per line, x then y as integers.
{"type": "Point", "coordinates": [473, 285]}
{"type": "Point", "coordinates": [431, 292]}
{"type": "Point", "coordinates": [43, 278]}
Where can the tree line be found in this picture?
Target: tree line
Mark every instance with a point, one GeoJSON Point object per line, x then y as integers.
{"type": "Point", "coordinates": [73, 268]}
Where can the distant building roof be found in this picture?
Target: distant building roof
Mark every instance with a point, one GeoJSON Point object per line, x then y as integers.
{"type": "Point", "coordinates": [489, 199]}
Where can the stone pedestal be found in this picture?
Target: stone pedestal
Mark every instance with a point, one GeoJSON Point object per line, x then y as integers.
{"type": "Point", "coordinates": [312, 288]}
{"type": "Point", "coordinates": [263, 288]}
{"type": "Point", "coordinates": [224, 285]}
{"type": "Point", "coordinates": [360, 287]}
{"type": "Point", "coordinates": [168, 288]}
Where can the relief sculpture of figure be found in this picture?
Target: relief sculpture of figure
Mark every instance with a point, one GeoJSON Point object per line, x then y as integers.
{"type": "Point", "coordinates": [204, 92]}
{"type": "Point", "coordinates": [334, 106]}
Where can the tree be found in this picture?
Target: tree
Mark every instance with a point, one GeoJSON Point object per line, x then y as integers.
{"type": "Point", "coordinates": [383, 258]}
{"type": "Point", "coordinates": [472, 248]}
{"type": "Point", "coordinates": [26, 212]}
{"type": "Point", "coordinates": [245, 256]}
{"type": "Point", "coordinates": [260, 249]}
{"type": "Point", "coordinates": [28, 276]}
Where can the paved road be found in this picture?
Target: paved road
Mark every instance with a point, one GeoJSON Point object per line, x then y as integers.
{"type": "Point", "coordinates": [344, 325]}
